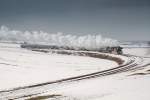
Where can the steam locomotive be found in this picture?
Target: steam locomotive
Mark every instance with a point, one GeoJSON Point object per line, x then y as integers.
{"type": "Point", "coordinates": [113, 50]}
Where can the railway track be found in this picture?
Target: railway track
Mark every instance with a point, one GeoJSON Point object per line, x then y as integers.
{"type": "Point", "coordinates": [33, 90]}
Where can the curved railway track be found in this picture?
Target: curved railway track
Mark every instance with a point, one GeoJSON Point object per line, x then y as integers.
{"type": "Point", "coordinates": [28, 91]}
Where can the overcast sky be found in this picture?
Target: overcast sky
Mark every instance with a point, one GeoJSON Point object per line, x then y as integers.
{"type": "Point", "coordinates": [119, 19]}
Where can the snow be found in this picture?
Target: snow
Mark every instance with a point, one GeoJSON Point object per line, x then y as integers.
{"type": "Point", "coordinates": [124, 86]}
{"type": "Point", "coordinates": [144, 52]}
{"type": "Point", "coordinates": [26, 65]}
{"type": "Point", "coordinates": [21, 67]}
{"type": "Point", "coordinates": [108, 88]}
{"type": "Point", "coordinates": [135, 44]}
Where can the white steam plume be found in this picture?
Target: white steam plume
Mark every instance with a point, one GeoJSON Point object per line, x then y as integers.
{"type": "Point", "coordinates": [89, 42]}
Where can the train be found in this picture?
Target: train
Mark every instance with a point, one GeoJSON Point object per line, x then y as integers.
{"type": "Point", "coordinates": [112, 50]}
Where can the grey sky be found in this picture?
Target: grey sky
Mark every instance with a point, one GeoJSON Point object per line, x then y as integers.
{"type": "Point", "coordinates": [119, 19]}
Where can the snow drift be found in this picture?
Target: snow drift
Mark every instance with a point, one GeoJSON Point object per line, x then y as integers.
{"type": "Point", "coordinates": [89, 42]}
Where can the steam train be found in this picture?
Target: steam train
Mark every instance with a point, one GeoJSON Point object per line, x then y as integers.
{"type": "Point", "coordinates": [113, 50]}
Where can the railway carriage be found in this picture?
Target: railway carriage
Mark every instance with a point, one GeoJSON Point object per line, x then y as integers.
{"type": "Point", "coordinates": [113, 50]}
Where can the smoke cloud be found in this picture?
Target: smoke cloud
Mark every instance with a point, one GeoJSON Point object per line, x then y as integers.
{"type": "Point", "coordinates": [90, 42]}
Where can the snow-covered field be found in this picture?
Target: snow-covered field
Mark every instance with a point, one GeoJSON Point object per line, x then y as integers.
{"type": "Point", "coordinates": [132, 85]}
{"type": "Point", "coordinates": [144, 52]}
{"type": "Point", "coordinates": [21, 67]}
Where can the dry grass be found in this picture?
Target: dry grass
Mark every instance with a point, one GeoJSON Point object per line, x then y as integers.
{"type": "Point", "coordinates": [142, 73]}
{"type": "Point", "coordinates": [43, 97]}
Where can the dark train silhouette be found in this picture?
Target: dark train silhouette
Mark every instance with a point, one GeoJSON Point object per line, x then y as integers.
{"type": "Point", "coordinates": [113, 50]}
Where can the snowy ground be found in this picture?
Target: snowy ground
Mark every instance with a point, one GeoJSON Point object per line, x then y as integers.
{"type": "Point", "coordinates": [20, 67]}
{"type": "Point", "coordinates": [144, 52]}
{"type": "Point", "coordinates": [131, 85]}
